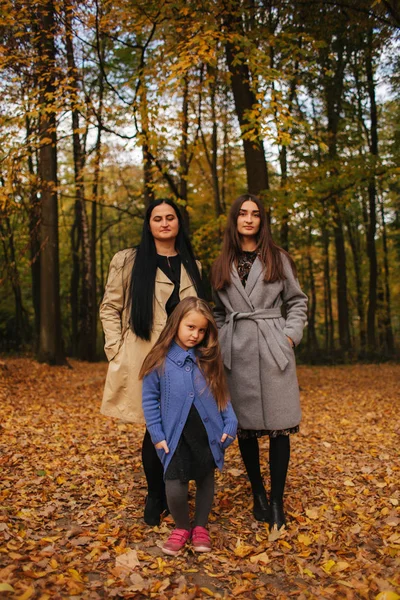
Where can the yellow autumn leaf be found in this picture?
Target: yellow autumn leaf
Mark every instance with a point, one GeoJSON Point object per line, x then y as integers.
{"type": "Point", "coordinates": [6, 587]}
{"type": "Point", "coordinates": [75, 575]}
{"type": "Point", "coordinates": [207, 591]}
{"type": "Point", "coordinates": [242, 550]}
{"type": "Point", "coordinates": [27, 594]}
{"type": "Point", "coordinates": [387, 595]}
{"type": "Point", "coordinates": [53, 563]}
{"type": "Point", "coordinates": [328, 565]}
{"type": "Point", "coordinates": [309, 573]}
{"type": "Point", "coordinates": [304, 539]}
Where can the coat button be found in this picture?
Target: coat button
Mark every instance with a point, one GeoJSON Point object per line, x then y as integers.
{"type": "Point", "coordinates": [206, 420]}
{"type": "Point", "coordinates": [187, 368]}
{"type": "Point", "coordinates": [213, 442]}
{"type": "Point", "coordinates": [179, 363]}
{"type": "Point", "coordinates": [191, 394]}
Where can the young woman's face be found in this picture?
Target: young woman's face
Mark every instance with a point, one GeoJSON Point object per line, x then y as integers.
{"type": "Point", "coordinates": [191, 330]}
{"type": "Point", "coordinates": [248, 221]}
{"type": "Point", "coordinates": [164, 224]}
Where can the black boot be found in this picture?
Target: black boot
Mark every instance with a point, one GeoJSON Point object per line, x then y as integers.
{"type": "Point", "coordinates": [152, 510]}
{"type": "Point", "coordinates": [277, 514]}
{"type": "Point", "coordinates": [261, 507]}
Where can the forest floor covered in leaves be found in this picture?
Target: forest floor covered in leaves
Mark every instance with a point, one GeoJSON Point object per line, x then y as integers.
{"type": "Point", "coordinates": [72, 493]}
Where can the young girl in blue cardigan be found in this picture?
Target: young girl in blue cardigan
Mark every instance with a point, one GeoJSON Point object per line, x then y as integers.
{"type": "Point", "coordinates": [188, 415]}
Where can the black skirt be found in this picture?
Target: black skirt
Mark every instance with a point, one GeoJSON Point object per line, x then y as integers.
{"type": "Point", "coordinates": [193, 458]}
{"type": "Point", "coordinates": [245, 434]}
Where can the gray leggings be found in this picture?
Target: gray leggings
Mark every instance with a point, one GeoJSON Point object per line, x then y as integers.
{"type": "Point", "coordinates": [177, 498]}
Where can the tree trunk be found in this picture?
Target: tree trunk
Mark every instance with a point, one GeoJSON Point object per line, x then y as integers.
{"type": "Point", "coordinates": [183, 154]}
{"type": "Point", "coordinates": [355, 247]}
{"type": "Point", "coordinates": [50, 342]}
{"type": "Point", "coordinates": [95, 196]}
{"type": "Point", "coordinates": [312, 341]}
{"type": "Point", "coordinates": [34, 237]}
{"type": "Point", "coordinates": [333, 88]}
{"type": "Point", "coordinates": [328, 310]}
{"type": "Point", "coordinates": [21, 328]}
{"type": "Point", "coordinates": [341, 281]}
{"type": "Point", "coordinates": [213, 73]}
{"type": "Point", "coordinates": [87, 336]}
{"type": "Point", "coordinates": [387, 305]}
{"type": "Point", "coordinates": [148, 191]}
{"type": "Point", "coordinates": [254, 155]}
{"type": "Point", "coordinates": [371, 247]}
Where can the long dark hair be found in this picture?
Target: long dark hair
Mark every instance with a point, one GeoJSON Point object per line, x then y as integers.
{"type": "Point", "coordinates": [269, 252]}
{"type": "Point", "coordinates": [145, 267]}
{"type": "Point", "coordinates": [208, 351]}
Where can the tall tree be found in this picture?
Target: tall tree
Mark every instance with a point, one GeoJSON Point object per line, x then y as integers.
{"type": "Point", "coordinates": [50, 340]}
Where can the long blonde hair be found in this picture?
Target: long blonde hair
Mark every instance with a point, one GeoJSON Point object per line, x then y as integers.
{"type": "Point", "coordinates": [208, 352]}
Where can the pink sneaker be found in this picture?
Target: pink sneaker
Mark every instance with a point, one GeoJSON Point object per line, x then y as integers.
{"type": "Point", "coordinates": [176, 542]}
{"type": "Point", "coordinates": [201, 539]}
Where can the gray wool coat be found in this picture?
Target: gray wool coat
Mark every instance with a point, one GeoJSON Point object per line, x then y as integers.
{"type": "Point", "coordinates": [259, 360]}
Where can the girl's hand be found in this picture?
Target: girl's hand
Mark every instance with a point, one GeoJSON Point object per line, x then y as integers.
{"type": "Point", "coordinates": [162, 446]}
{"type": "Point", "coordinates": [291, 342]}
{"type": "Point", "coordinates": [224, 436]}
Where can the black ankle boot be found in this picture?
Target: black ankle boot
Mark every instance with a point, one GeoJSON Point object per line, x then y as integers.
{"type": "Point", "coordinates": [277, 514]}
{"type": "Point", "coordinates": [261, 507]}
{"type": "Point", "coordinates": [153, 510]}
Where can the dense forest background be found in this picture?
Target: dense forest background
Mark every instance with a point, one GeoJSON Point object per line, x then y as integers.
{"type": "Point", "coordinates": [106, 105]}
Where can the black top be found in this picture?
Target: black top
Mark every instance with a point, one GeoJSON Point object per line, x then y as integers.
{"type": "Point", "coordinates": [171, 266]}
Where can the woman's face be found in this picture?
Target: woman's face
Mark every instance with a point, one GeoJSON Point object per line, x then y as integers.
{"type": "Point", "coordinates": [248, 221]}
{"type": "Point", "coordinates": [164, 224]}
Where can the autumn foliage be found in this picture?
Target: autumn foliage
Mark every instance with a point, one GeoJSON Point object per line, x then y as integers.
{"type": "Point", "coordinates": [72, 495]}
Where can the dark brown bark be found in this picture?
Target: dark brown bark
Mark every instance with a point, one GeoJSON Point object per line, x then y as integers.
{"type": "Point", "coordinates": [355, 248]}
{"type": "Point", "coordinates": [34, 234]}
{"type": "Point", "coordinates": [183, 153]}
{"type": "Point", "coordinates": [341, 280]}
{"type": "Point", "coordinates": [148, 191]}
{"type": "Point", "coordinates": [87, 329]}
{"type": "Point", "coordinates": [21, 325]}
{"type": "Point", "coordinates": [50, 341]}
{"type": "Point", "coordinates": [387, 317]}
{"type": "Point", "coordinates": [333, 89]}
{"type": "Point", "coordinates": [214, 143]}
{"type": "Point", "coordinates": [95, 194]}
{"type": "Point", "coordinates": [328, 310]}
{"type": "Point", "coordinates": [254, 155]}
{"type": "Point", "coordinates": [371, 246]}
{"type": "Point", "coordinates": [312, 341]}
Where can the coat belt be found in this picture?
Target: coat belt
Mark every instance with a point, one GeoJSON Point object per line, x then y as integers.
{"type": "Point", "coordinates": [261, 317]}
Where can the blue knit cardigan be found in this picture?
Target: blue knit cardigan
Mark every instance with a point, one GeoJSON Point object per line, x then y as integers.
{"type": "Point", "coordinates": [168, 394]}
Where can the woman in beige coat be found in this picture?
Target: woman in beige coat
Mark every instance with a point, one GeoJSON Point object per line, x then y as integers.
{"type": "Point", "coordinates": [144, 285]}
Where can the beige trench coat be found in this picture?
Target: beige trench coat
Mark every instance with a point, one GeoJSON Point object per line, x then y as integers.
{"type": "Point", "coordinates": [125, 352]}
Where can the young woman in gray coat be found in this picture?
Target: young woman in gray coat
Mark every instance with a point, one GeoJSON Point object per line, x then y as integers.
{"type": "Point", "coordinates": [261, 312]}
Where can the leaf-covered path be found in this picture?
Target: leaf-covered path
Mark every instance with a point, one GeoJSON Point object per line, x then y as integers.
{"type": "Point", "coordinates": [72, 493]}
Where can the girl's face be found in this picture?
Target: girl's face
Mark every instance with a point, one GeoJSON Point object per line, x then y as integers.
{"type": "Point", "coordinates": [248, 221]}
{"type": "Point", "coordinates": [191, 330]}
{"type": "Point", "coordinates": [164, 224]}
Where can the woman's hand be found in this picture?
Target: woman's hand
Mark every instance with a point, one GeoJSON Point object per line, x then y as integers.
{"type": "Point", "coordinates": [162, 446]}
{"type": "Point", "coordinates": [291, 342]}
{"type": "Point", "coordinates": [224, 436]}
